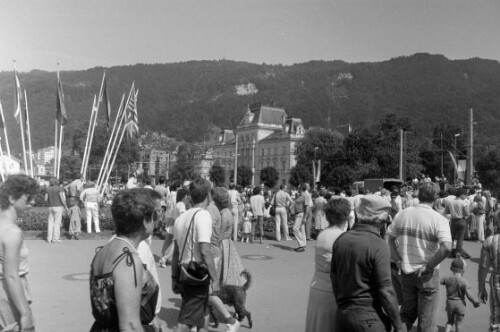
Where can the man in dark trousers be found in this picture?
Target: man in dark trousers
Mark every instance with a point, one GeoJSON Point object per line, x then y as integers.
{"type": "Point", "coordinates": [361, 273]}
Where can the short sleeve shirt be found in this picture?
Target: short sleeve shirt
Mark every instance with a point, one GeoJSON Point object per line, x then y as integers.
{"type": "Point", "coordinates": [456, 287]}
{"type": "Point", "coordinates": [419, 230]}
{"type": "Point", "coordinates": [53, 196]}
{"type": "Point", "coordinates": [308, 199]}
{"type": "Point", "coordinates": [257, 203]}
{"type": "Point", "coordinates": [200, 232]}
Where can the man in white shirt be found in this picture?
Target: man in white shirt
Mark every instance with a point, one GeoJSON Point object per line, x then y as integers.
{"type": "Point", "coordinates": [90, 197]}
{"type": "Point", "coordinates": [308, 212]}
{"type": "Point", "coordinates": [257, 202]}
{"type": "Point", "coordinates": [196, 246]}
{"type": "Point", "coordinates": [234, 197]}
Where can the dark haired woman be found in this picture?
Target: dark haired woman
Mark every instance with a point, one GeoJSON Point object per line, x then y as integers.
{"type": "Point", "coordinates": [123, 293]}
{"type": "Point", "coordinates": [16, 195]}
{"type": "Point", "coordinates": [322, 307]}
{"type": "Point", "coordinates": [230, 266]}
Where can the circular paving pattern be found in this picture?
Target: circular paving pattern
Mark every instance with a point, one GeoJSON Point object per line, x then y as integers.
{"type": "Point", "coordinates": [77, 277]}
{"type": "Point", "coordinates": [257, 257]}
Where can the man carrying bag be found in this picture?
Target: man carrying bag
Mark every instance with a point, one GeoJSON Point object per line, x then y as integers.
{"type": "Point", "coordinates": [192, 260]}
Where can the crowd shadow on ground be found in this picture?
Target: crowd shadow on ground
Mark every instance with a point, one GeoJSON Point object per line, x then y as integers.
{"type": "Point", "coordinates": [282, 247]}
{"type": "Point", "coordinates": [171, 313]}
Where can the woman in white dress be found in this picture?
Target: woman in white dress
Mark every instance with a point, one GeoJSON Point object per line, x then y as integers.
{"type": "Point", "coordinates": [322, 307]}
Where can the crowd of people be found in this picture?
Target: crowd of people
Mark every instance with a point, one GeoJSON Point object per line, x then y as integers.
{"type": "Point", "coordinates": [377, 255]}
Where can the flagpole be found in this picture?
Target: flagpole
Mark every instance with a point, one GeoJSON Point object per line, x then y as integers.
{"type": "Point", "coordinates": [93, 116]}
{"type": "Point", "coordinates": [55, 150]}
{"type": "Point", "coordinates": [108, 154]}
{"type": "Point", "coordinates": [104, 161]}
{"type": "Point", "coordinates": [88, 135]}
{"type": "Point", "coordinates": [5, 130]}
{"type": "Point", "coordinates": [28, 132]}
{"type": "Point", "coordinates": [3, 163]}
{"type": "Point", "coordinates": [24, 144]}
{"type": "Point", "coordinates": [113, 162]}
{"type": "Point", "coordinates": [60, 148]}
{"type": "Point", "coordinates": [92, 125]}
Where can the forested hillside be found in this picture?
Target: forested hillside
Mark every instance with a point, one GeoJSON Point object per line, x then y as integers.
{"type": "Point", "coordinates": [183, 99]}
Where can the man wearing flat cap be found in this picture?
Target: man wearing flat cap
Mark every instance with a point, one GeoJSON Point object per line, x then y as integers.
{"type": "Point", "coordinates": [420, 239]}
{"type": "Point", "coordinates": [361, 273]}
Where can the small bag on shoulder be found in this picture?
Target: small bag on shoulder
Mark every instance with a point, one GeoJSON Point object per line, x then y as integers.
{"type": "Point", "coordinates": [192, 273]}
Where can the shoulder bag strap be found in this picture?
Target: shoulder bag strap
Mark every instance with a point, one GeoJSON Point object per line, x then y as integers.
{"type": "Point", "coordinates": [186, 239]}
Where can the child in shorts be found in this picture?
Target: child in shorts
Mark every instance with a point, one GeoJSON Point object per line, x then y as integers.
{"type": "Point", "coordinates": [456, 291]}
{"type": "Point", "coordinates": [75, 223]}
{"type": "Point", "coordinates": [247, 224]}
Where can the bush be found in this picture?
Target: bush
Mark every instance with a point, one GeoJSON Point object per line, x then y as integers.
{"type": "Point", "coordinates": [37, 221]}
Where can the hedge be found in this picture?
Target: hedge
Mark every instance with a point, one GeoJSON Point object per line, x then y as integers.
{"type": "Point", "coordinates": [37, 221]}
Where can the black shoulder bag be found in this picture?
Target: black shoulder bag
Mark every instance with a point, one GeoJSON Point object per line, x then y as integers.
{"type": "Point", "coordinates": [192, 273]}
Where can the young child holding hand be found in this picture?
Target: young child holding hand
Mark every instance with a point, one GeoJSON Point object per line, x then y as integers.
{"type": "Point", "coordinates": [457, 289]}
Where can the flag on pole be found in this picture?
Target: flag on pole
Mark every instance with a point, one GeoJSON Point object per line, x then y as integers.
{"type": "Point", "coordinates": [107, 104]}
{"type": "Point", "coordinates": [2, 124]}
{"type": "Point", "coordinates": [132, 123]}
{"type": "Point", "coordinates": [18, 99]}
{"type": "Point", "coordinates": [61, 115]}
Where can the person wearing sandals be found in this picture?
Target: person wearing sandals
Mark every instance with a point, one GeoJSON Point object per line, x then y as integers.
{"type": "Point", "coordinates": [16, 195]}
{"type": "Point", "coordinates": [123, 292]}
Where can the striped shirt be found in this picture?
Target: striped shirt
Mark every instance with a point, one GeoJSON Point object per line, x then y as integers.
{"type": "Point", "coordinates": [490, 253]}
{"type": "Point", "coordinates": [419, 230]}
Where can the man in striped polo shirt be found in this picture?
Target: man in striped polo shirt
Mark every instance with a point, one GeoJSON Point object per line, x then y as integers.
{"type": "Point", "coordinates": [490, 256]}
{"type": "Point", "coordinates": [420, 239]}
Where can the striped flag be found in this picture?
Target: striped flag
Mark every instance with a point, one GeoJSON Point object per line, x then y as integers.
{"type": "Point", "coordinates": [18, 99]}
{"type": "Point", "coordinates": [61, 115]}
{"type": "Point", "coordinates": [132, 123]}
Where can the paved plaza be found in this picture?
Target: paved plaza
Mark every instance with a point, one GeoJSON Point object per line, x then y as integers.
{"type": "Point", "coordinates": [277, 298]}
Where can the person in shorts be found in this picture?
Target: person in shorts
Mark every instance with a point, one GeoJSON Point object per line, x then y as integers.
{"type": "Point", "coordinates": [457, 289]}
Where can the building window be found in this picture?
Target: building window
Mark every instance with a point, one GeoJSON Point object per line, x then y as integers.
{"type": "Point", "coordinates": [269, 151]}
{"type": "Point", "coordinates": [284, 150]}
{"type": "Point", "coordinates": [283, 165]}
{"type": "Point", "coordinates": [262, 151]}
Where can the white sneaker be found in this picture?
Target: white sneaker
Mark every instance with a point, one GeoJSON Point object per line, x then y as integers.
{"type": "Point", "coordinates": [233, 328]}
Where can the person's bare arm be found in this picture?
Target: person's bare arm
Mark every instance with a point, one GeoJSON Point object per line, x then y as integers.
{"type": "Point", "coordinates": [208, 259]}
{"type": "Point", "coordinates": [472, 299]}
{"type": "Point", "coordinates": [62, 196]}
{"type": "Point", "coordinates": [128, 295]}
{"type": "Point", "coordinates": [11, 245]}
{"type": "Point", "coordinates": [390, 305]}
{"type": "Point", "coordinates": [439, 256]}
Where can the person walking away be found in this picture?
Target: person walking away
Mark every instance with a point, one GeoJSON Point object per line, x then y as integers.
{"type": "Point", "coordinates": [308, 213]}
{"type": "Point", "coordinates": [360, 273]}
{"type": "Point", "coordinates": [479, 211]}
{"type": "Point", "coordinates": [16, 195]}
{"type": "Point", "coordinates": [90, 198]}
{"type": "Point", "coordinates": [197, 248]}
{"type": "Point", "coordinates": [283, 201]}
{"type": "Point", "coordinates": [457, 289]}
{"type": "Point", "coordinates": [490, 257]}
{"type": "Point", "coordinates": [56, 200]}
{"type": "Point", "coordinates": [75, 223]}
{"type": "Point", "coordinates": [458, 209]}
{"type": "Point", "coordinates": [257, 203]}
{"type": "Point", "coordinates": [234, 197]}
{"type": "Point", "coordinates": [320, 221]}
{"type": "Point", "coordinates": [490, 207]}
{"type": "Point", "coordinates": [321, 307]}
{"type": "Point", "coordinates": [298, 225]}
{"type": "Point", "coordinates": [162, 189]}
{"type": "Point", "coordinates": [75, 188]}
{"type": "Point", "coordinates": [420, 240]}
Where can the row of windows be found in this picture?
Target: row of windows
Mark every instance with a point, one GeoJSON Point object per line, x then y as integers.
{"type": "Point", "coordinates": [263, 152]}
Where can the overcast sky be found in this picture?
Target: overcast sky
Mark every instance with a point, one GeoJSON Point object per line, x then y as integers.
{"type": "Point", "coordinates": [82, 34]}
